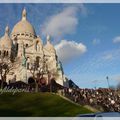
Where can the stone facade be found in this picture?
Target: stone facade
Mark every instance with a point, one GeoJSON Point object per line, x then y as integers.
{"type": "Point", "coordinates": [29, 55]}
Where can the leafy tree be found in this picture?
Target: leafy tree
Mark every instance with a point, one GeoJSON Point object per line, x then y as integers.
{"type": "Point", "coordinates": [5, 67]}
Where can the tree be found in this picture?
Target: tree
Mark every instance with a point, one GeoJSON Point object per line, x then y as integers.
{"type": "Point", "coordinates": [37, 76]}
{"type": "Point", "coordinates": [5, 67]}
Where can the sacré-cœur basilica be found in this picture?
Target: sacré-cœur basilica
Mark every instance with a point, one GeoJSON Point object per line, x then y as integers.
{"type": "Point", "coordinates": [30, 58]}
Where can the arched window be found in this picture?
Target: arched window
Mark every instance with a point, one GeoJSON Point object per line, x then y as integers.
{"type": "Point", "coordinates": [31, 35]}
{"type": "Point", "coordinates": [7, 53]}
{"type": "Point", "coordinates": [22, 34]}
{"type": "Point", "coordinates": [26, 45]}
{"type": "Point", "coordinates": [37, 61]}
{"type": "Point", "coordinates": [28, 64]}
{"type": "Point", "coordinates": [27, 35]}
{"type": "Point", "coordinates": [4, 53]}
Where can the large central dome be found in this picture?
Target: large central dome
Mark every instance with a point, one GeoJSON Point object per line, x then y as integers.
{"type": "Point", "coordinates": [23, 27]}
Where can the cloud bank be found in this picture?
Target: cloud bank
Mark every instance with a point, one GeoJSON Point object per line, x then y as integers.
{"type": "Point", "coordinates": [62, 23]}
{"type": "Point", "coordinates": [67, 50]}
{"type": "Point", "coordinates": [116, 39]}
{"type": "Point", "coordinates": [96, 41]}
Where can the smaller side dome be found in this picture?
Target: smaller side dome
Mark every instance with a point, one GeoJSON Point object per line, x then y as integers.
{"type": "Point", "coordinates": [49, 46]}
{"type": "Point", "coordinates": [5, 41]}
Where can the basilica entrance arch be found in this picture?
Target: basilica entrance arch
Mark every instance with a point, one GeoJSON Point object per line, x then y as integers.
{"type": "Point", "coordinates": [42, 81]}
{"type": "Point", "coordinates": [31, 80]}
{"type": "Point", "coordinates": [43, 84]}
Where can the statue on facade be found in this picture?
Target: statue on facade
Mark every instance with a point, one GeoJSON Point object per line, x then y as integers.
{"type": "Point", "coordinates": [59, 66]}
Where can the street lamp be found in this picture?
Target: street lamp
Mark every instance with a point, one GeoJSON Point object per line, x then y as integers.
{"type": "Point", "coordinates": [108, 81]}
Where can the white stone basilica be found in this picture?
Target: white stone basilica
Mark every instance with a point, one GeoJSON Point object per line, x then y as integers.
{"type": "Point", "coordinates": [28, 54]}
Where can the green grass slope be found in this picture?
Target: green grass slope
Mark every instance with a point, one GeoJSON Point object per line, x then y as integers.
{"type": "Point", "coordinates": [37, 104]}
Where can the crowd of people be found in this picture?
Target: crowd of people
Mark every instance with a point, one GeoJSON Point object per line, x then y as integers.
{"type": "Point", "coordinates": [106, 99]}
{"type": "Point", "coordinates": [102, 98]}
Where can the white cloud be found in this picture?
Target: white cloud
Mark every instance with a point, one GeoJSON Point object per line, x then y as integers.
{"type": "Point", "coordinates": [62, 23]}
{"type": "Point", "coordinates": [67, 50]}
{"type": "Point", "coordinates": [111, 55]}
{"type": "Point", "coordinates": [117, 77]}
{"type": "Point", "coordinates": [116, 39]}
{"type": "Point", "coordinates": [100, 61]}
{"type": "Point", "coordinates": [108, 56]}
{"type": "Point", "coordinates": [96, 41]}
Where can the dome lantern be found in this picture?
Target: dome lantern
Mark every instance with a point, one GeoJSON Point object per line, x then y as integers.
{"type": "Point", "coordinates": [48, 38]}
{"type": "Point", "coordinates": [24, 14]}
{"type": "Point", "coordinates": [7, 30]}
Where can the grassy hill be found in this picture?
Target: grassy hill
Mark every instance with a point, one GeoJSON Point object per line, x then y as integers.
{"type": "Point", "coordinates": [37, 104]}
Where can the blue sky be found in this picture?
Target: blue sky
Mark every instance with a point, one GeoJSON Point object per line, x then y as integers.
{"type": "Point", "coordinates": [86, 37]}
